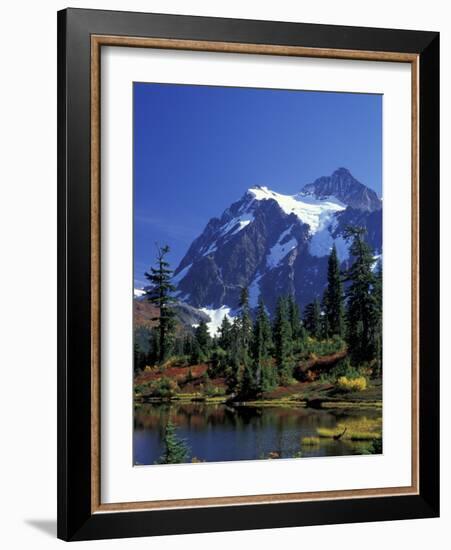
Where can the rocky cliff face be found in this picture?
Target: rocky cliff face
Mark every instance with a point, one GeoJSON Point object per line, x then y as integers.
{"type": "Point", "coordinates": [277, 244]}
{"type": "Point", "coordinates": [346, 188]}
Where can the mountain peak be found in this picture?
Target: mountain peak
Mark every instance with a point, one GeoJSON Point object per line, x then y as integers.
{"type": "Point", "coordinates": [274, 243]}
{"type": "Point", "coordinates": [257, 188]}
{"type": "Point", "coordinates": [342, 185]}
{"type": "Point", "coordinates": [258, 191]}
{"type": "Point", "coordinates": [342, 171]}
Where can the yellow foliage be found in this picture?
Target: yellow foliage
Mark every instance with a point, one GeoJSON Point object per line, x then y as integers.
{"type": "Point", "coordinates": [352, 384]}
{"type": "Point", "coordinates": [361, 429]}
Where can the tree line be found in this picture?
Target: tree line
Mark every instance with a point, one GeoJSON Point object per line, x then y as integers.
{"type": "Point", "coordinates": [256, 353]}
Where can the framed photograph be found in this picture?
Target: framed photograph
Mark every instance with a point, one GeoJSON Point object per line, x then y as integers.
{"type": "Point", "coordinates": [248, 274]}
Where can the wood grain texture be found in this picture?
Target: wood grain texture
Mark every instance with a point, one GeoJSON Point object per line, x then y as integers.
{"type": "Point", "coordinates": [95, 276]}
{"type": "Point", "coordinates": [255, 499]}
{"type": "Point", "coordinates": [97, 41]}
{"type": "Point", "coordinates": [262, 49]}
{"type": "Point", "coordinates": [415, 327]}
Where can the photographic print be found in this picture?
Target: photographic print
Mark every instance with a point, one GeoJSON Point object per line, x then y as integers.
{"type": "Point", "coordinates": [257, 274]}
{"type": "Point", "coordinates": [243, 218]}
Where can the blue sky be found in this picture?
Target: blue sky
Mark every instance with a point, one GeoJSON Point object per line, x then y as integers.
{"type": "Point", "coordinates": [197, 149]}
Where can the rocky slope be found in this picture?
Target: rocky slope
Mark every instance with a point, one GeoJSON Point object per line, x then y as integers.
{"type": "Point", "coordinates": [277, 244]}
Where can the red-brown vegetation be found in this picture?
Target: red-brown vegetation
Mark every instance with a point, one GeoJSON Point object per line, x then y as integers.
{"type": "Point", "coordinates": [178, 373]}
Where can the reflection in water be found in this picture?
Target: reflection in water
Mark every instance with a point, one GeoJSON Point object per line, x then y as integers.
{"type": "Point", "coordinates": [216, 433]}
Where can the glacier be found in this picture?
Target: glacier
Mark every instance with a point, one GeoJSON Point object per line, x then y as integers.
{"type": "Point", "coordinates": [283, 247]}
{"type": "Point", "coordinates": [276, 243]}
{"type": "Point", "coordinates": [308, 209]}
{"type": "Point", "coordinates": [216, 316]}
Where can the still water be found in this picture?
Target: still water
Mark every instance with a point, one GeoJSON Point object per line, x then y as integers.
{"type": "Point", "coordinates": [216, 433]}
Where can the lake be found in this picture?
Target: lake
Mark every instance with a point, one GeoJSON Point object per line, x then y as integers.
{"type": "Point", "coordinates": [218, 432]}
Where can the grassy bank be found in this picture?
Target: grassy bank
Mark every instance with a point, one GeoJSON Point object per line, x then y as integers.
{"type": "Point", "coordinates": [298, 395]}
{"type": "Point", "coordinates": [174, 382]}
{"type": "Point", "coordinates": [361, 429]}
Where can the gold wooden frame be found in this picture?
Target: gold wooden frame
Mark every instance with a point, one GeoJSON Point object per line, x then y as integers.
{"type": "Point", "coordinates": [97, 41]}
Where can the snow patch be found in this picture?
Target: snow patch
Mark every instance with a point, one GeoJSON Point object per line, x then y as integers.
{"type": "Point", "coordinates": [216, 317]}
{"type": "Point", "coordinates": [237, 224]}
{"type": "Point", "coordinates": [242, 224]}
{"type": "Point", "coordinates": [322, 242]}
{"type": "Point", "coordinates": [377, 259]}
{"type": "Point", "coordinates": [278, 252]}
{"type": "Point", "coordinates": [138, 292]}
{"type": "Point", "coordinates": [254, 291]}
{"type": "Point", "coordinates": [212, 248]}
{"type": "Point", "coordinates": [342, 246]}
{"type": "Point", "coordinates": [308, 209]}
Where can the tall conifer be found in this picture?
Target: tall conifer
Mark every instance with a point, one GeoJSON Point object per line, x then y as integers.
{"type": "Point", "coordinates": [294, 316]}
{"type": "Point", "coordinates": [203, 339]}
{"type": "Point", "coordinates": [233, 372]}
{"type": "Point", "coordinates": [377, 323]}
{"type": "Point", "coordinates": [264, 373]}
{"type": "Point", "coordinates": [160, 294]}
{"type": "Point", "coordinates": [245, 322]}
{"type": "Point", "coordinates": [333, 298]}
{"type": "Point", "coordinates": [283, 341]}
{"type": "Point", "coordinates": [247, 378]}
{"type": "Point", "coordinates": [175, 449]}
{"type": "Point", "coordinates": [225, 333]}
{"type": "Point", "coordinates": [312, 319]}
{"type": "Point", "coordinates": [361, 313]}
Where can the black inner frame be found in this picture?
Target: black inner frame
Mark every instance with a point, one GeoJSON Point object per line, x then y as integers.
{"type": "Point", "coordinates": [75, 520]}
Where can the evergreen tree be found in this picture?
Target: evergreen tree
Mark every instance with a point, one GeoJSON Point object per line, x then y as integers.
{"type": "Point", "coordinates": [218, 362]}
{"type": "Point", "coordinates": [246, 376]}
{"type": "Point", "coordinates": [175, 449]}
{"type": "Point", "coordinates": [233, 373]}
{"type": "Point", "coordinates": [294, 315]}
{"type": "Point", "coordinates": [264, 373]}
{"type": "Point", "coordinates": [196, 353]}
{"type": "Point", "coordinates": [377, 322]}
{"type": "Point", "coordinates": [139, 359]}
{"type": "Point", "coordinates": [225, 333]}
{"type": "Point", "coordinates": [188, 344]}
{"type": "Point", "coordinates": [325, 331]}
{"type": "Point", "coordinates": [203, 339]}
{"type": "Point", "coordinates": [333, 297]}
{"type": "Point", "coordinates": [283, 342]}
{"type": "Point", "coordinates": [312, 319]}
{"type": "Point", "coordinates": [154, 346]}
{"type": "Point", "coordinates": [297, 328]}
{"type": "Point", "coordinates": [248, 382]}
{"type": "Point", "coordinates": [245, 325]}
{"type": "Point", "coordinates": [361, 302]}
{"type": "Point", "coordinates": [160, 295]}
{"type": "Point", "coordinates": [178, 347]}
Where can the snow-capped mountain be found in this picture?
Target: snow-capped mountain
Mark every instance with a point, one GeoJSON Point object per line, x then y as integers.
{"type": "Point", "coordinates": [346, 188]}
{"type": "Point", "coordinates": [277, 244]}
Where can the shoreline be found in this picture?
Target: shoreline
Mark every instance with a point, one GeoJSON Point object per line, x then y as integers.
{"type": "Point", "coordinates": [256, 403]}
